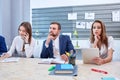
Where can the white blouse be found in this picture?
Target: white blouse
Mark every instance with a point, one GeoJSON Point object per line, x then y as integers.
{"type": "Point", "coordinates": [17, 46]}
{"type": "Point", "coordinates": [104, 50]}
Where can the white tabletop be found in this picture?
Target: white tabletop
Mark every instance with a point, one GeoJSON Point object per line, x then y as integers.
{"type": "Point", "coordinates": [29, 69]}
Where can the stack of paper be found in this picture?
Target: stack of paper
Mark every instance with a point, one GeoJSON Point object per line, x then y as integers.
{"type": "Point", "coordinates": [10, 60]}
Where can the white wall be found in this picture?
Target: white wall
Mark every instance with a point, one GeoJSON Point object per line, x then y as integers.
{"type": "Point", "coordinates": [5, 19]}
{"type": "Point", "coordinates": [0, 17]}
{"type": "Point", "coordinates": [12, 13]}
{"type": "Point", "coordinates": [58, 3]}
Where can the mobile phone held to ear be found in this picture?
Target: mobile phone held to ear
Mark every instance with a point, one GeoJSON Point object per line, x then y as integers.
{"type": "Point", "coordinates": [26, 34]}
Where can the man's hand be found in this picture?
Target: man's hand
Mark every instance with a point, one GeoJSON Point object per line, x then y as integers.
{"type": "Point", "coordinates": [50, 37]}
{"type": "Point", "coordinates": [64, 57]}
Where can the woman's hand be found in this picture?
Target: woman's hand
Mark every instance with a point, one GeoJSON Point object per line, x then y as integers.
{"type": "Point", "coordinates": [97, 38]}
{"type": "Point", "coordinates": [5, 55]}
{"type": "Point", "coordinates": [26, 38]}
{"type": "Point", "coordinates": [98, 61]}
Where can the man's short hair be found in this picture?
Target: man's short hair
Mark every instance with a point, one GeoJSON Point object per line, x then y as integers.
{"type": "Point", "coordinates": [59, 26]}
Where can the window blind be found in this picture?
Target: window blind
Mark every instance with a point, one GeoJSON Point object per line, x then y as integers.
{"type": "Point", "coordinates": [42, 17]}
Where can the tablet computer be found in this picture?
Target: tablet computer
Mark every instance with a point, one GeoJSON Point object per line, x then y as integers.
{"type": "Point", "coordinates": [88, 54]}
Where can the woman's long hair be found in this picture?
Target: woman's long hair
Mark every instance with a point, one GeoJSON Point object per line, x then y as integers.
{"type": "Point", "coordinates": [103, 36]}
{"type": "Point", "coordinates": [28, 29]}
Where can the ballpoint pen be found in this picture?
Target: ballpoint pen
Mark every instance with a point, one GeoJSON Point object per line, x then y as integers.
{"type": "Point", "coordinates": [100, 71]}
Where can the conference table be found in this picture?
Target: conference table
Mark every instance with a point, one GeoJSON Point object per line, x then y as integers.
{"type": "Point", "coordinates": [29, 69]}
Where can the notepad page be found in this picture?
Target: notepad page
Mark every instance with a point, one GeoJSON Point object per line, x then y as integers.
{"type": "Point", "coordinates": [10, 60]}
{"type": "Point", "coordinates": [66, 66]}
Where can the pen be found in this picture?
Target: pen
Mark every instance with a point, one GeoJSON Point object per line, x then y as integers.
{"type": "Point", "coordinates": [100, 71]}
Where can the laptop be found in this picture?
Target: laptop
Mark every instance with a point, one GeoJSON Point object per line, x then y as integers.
{"type": "Point", "coordinates": [88, 54]}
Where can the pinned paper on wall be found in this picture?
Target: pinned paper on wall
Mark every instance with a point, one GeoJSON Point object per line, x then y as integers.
{"type": "Point", "coordinates": [80, 25]}
{"type": "Point", "coordinates": [89, 15]}
{"type": "Point", "coordinates": [88, 25]}
{"type": "Point", "coordinates": [115, 15]}
{"type": "Point", "coordinates": [69, 34]}
{"type": "Point", "coordinates": [72, 16]}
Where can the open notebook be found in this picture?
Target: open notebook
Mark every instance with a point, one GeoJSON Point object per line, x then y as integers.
{"type": "Point", "coordinates": [88, 54]}
{"type": "Point", "coordinates": [51, 61]}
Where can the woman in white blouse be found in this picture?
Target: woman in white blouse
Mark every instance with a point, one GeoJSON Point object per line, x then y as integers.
{"type": "Point", "coordinates": [22, 45]}
{"type": "Point", "coordinates": [100, 40]}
